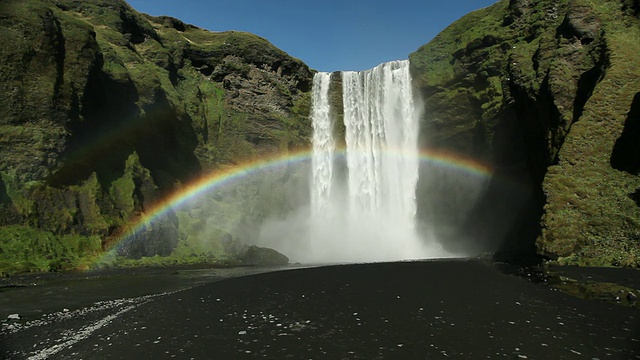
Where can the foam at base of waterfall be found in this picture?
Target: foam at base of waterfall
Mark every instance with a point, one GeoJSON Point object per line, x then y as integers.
{"type": "Point", "coordinates": [368, 213]}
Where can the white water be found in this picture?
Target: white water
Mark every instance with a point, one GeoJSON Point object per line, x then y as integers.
{"type": "Point", "coordinates": [323, 145]}
{"type": "Point", "coordinates": [372, 217]}
{"type": "Point", "coordinates": [382, 141]}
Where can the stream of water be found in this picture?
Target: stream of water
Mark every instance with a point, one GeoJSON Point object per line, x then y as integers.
{"type": "Point", "coordinates": [367, 213]}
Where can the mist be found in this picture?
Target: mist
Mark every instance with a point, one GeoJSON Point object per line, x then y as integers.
{"type": "Point", "coordinates": [378, 200]}
{"type": "Point", "coordinates": [339, 236]}
{"type": "Point", "coordinates": [363, 208]}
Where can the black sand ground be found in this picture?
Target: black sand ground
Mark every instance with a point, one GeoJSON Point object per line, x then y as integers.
{"type": "Point", "coordinates": [410, 310]}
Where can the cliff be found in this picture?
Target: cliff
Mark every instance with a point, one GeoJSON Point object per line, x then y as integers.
{"type": "Point", "coordinates": [104, 110]}
{"type": "Point", "coordinates": [546, 93]}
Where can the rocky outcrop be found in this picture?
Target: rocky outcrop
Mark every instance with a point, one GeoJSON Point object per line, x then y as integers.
{"type": "Point", "coordinates": [626, 152]}
{"type": "Point", "coordinates": [540, 91]}
{"type": "Point", "coordinates": [103, 111]}
{"type": "Point", "coordinates": [258, 256]}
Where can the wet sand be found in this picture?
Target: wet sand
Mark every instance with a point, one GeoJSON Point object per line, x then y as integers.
{"type": "Point", "coordinates": [408, 310]}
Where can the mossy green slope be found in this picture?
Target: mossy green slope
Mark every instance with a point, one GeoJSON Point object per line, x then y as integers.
{"type": "Point", "coordinates": [591, 217]}
{"type": "Point", "coordinates": [541, 91]}
{"type": "Point", "coordinates": [103, 111]}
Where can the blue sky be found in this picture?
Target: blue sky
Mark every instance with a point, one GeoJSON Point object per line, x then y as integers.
{"type": "Point", "coordinates": [327, 35]}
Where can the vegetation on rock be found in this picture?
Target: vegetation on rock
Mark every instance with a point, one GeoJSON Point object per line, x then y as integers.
{"type": "Point", "coordinates": [104, 111]}
{"type": "Point", "coordinates": [24, 248]}
{"type": "Point", "coordinates": [543, 91]}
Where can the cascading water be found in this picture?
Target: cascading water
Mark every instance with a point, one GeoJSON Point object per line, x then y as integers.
{"type": "Point", "coordinates": [372, 217]}
{"type": "Point", "coordinates": [323, 145]}
{"type": "Point", "coordinates": [382, 141]}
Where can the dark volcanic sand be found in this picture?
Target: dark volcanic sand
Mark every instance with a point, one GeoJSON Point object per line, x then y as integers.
{"type": "Point", "coordinates": [408, 310]}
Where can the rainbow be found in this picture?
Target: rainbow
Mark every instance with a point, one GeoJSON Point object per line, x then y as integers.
{"type": "Point", "coordinates": [457, 162]}
{"type": "Point", "coordinates": [221, 178]}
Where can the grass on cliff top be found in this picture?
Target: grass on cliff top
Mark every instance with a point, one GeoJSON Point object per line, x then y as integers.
{"type": "Point", "coordinates": [433, 61]}
{"type": "Point", "coordinates": [253, 48]}
{"type": "Point", "coordinates": [115, 14]}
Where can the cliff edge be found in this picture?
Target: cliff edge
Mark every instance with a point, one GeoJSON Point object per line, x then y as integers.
{"type": "Point", "coordinates": [546, 93]}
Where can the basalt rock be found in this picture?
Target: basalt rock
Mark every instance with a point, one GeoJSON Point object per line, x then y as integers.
{"type": "Point", "coordinates": [542, 92]}
{"type": "Point", "coordinates": [104, 111]}
{"type": "Point", "coordinates": [258, 256]}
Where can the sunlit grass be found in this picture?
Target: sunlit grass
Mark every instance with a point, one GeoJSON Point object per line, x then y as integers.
{"type": "Point", "coordinates": [25, 249]}
{"type": "Point", "coordinates": [591, 219]}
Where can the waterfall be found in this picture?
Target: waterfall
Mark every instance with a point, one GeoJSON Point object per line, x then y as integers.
{"type": "Point", "coordinates": [323, 145]}
{"type": "Point", "coordinates": [369, 213]}
{"type": "Point", "coordinates": [382, 141]}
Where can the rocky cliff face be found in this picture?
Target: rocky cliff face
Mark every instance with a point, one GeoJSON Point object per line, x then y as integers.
{"type": "Point", "coordinates": [104, 110]}
{"type": "Point", "coordinates": [546, 92]}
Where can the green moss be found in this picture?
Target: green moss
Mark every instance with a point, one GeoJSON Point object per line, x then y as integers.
{"type": "Point", "coordinates": [25, 249]}
{"type": "Point", "coordinates": [16, 192]}
{"type": "Point", "coordinates": [465, 65]}
{"type": "Point", "coordinates": [532, 66]}
{"type": "Point", "coordinates": [432, 63]}
{"type": "Point", "coordinates": [122, 193]}
{"type": "Point", "coordinates": [592, 290]}
{"type": "Point", "coordinates": [199, 240]}
{"type": "Point", "coordinates": [146, 80]}
{"type": "Point", "coordinates": [298, 126]}
{"type": "Point", "coordinates": [105, 49]}
{"type": "Point", "coordinates": [114, 261]}
{"type": "Point", "coordinates": [491, 98]}
{"type": "Point", "coordinates": [89, 193]}
{"type": "Point", "coordinates": [221, 130]}
{"type": "Point", "coordinates": [154, 52]}
{"type": "Point", "coordinates": [117, 15]}
{"type": "Point", "coordinates": [591, 220]}
{"type": "Point", "coordinates": [55, 210]}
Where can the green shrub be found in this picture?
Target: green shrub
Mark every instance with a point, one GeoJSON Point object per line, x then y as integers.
{"type": "Point", "coordinates": [26, 249]}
